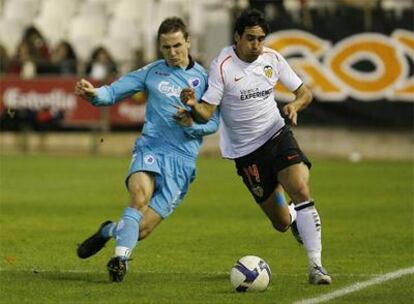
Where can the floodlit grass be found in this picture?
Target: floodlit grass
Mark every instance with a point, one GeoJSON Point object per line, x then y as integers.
{"type": "Point", "coordinates": [49, 204]}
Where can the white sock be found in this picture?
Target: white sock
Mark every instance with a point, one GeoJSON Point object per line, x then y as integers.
{"type": "Point", "coordinates": [309, 227]}
{"type": "Point", "coordinates": [122, 251]}
{"type": "Point", "coordinates": [292, 212]}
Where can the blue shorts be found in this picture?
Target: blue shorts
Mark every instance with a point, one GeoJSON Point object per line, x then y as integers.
{"type": "Point", "coordinates": [173, 176]}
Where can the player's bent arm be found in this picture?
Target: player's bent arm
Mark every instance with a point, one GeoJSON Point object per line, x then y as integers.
{"type": "Point", "coordinates": [203, 111]}
{"type": "Point", "coordinates": [199, 130]}
{"type": "Point", "coordinates": [303, 97]}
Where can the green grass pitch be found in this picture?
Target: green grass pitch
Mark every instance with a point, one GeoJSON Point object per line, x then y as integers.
{"type": "Point", "coordinates": [50, 203]}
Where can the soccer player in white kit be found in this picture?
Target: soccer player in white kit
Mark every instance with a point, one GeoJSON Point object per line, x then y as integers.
{"type": "Point", "coordinates": [254, 134]}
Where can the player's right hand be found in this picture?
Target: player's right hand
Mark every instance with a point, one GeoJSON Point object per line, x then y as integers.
{"type": "Point", "coordinates": [85, 89]}
{"type": "Point", "coordinates": [187, 97]}
{"type": "Point", "coordinates": [183, 118]}
{"type": "Point", "coordinates": [291, 113]}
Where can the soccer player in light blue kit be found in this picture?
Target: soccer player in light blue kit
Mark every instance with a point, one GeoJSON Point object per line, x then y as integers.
{"type": "Point", "coordinates": [164, 157]}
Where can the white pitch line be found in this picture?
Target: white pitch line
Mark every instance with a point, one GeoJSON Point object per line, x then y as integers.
{"type": "Point", "coordinates": [357, 286]}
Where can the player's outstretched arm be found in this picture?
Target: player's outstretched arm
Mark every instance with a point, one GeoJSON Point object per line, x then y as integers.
{"type": "Point", "coordinates": [303, 97]}
{"type": "Point", "coordinates": [118, 90]}
{"type": "Point", "coordinates": [202, 111]}
{"type": "Point", "coordinates": [85, 90]}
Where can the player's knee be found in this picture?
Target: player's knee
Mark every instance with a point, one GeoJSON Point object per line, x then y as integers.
{"type": "Point", "coordinates": [138, 197]}
{"type": "Point", "coordinates": [301, 192]}
{"type": "Point", "coordinates": [282, 225]}
{"type": "Point", "coordinates": [304, 194]}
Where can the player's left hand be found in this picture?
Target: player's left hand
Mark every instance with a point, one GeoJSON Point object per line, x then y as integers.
{"type": "Point", "coordinates": [291, 113]}
{"type": "Point", "coordinates": [188, 97]}
{"type": "Point", "coordinates": [183, 118]}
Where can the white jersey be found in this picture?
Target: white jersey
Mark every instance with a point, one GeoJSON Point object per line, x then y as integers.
{"type": "Point", "coordinates": [245, 93]}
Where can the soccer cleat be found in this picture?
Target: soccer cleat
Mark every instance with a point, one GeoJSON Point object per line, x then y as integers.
{"type": "Point", "coordinates": [94, 243]}
{"type": "Point", "coordinates": [117, 269]}
{"type": "Point", "coordinates": [295, 232]}
{"type": "Point", "coordinates": [319, 276]}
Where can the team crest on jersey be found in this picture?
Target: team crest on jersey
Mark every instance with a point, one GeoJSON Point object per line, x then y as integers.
{"type": "Point", "coordinates": [257, 190]}
{"type": "Point", "coordinates": [194, 82]}
{"type": "Point", "coordinates": [149, 159]}
{"type": "Point", "coordinates": [268, 70]}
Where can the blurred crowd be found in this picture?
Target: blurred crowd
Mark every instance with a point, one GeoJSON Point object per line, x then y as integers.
{"type": "Point", "coordinates": [35, 57]}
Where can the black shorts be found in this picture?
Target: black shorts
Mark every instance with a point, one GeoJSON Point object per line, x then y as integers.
{"type": "Point", "coordinates": [259, 169]}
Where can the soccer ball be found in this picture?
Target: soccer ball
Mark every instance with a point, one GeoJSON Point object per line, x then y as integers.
{"type": "Point", "coordinates": [250, 273]}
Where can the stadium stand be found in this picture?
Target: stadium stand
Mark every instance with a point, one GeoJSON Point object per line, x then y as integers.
{"type": "Point", "coordinates": [86, 32]}
{"type": "Point", "coordinates": [11, 32]}
{"type": "Point", "coordinates": [129, 9]}
{"type": "Point", "coordinates": [127, 30]}
{"type": "Point", "coordinates": [128, 27]}
{"type": "Point", "coordinates": [116, 25]}
{"type": "Point", "coordinates": [13, 10]}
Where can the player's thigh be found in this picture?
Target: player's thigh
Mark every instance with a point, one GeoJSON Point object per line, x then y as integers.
{"type": "Point", "coordinates": [141, 186]}
{"type": "Point", "coordinates": [295, 181]}
{"type": "Point", "coordinates": [149, 222]}
{"type": "Point", "coordinates": [277, 213]}
{"type": "Point", "coordinates": [257, 175]}
{"type": "Point", "coordinates": [173, 183]}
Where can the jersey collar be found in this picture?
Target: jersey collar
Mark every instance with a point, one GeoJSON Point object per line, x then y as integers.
{"type": "Point", "coordinates": [191, 63]}
{"type": "Point", "coordinates": [241, 62]}
{"type": "Point", "coordinates": [189, 66]}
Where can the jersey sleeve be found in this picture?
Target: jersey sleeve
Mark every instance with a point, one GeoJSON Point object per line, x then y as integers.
{"type": "Point", "coordinates": [215, 89]}
{"type": "Point", "coordinates": [200, 130]}
{"type": "Point", "coordinates": [125, 86]}
{"type": "Point", "coordinates": [287, 76]}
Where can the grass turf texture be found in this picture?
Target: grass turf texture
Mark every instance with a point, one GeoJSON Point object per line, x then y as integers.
{"type": "Point", "coordinates": [49, 204]}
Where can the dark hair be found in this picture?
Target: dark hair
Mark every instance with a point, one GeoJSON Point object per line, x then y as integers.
{"type": "Point", "coordinates": [97, 50]}
{"type": "Point", "coordinates": [31, 31]}
{"type": "Point", "coordinates": [172, 25]}
{"type": "Point", "coordinates": [248, 18]}
{"type": "Point", "coordinates": [71, 52]}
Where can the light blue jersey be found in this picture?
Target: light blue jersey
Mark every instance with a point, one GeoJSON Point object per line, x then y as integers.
{"type": "Point", "coordinates": [163, 85]}
{"type": "Point", "coordinates": [166, 149]}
